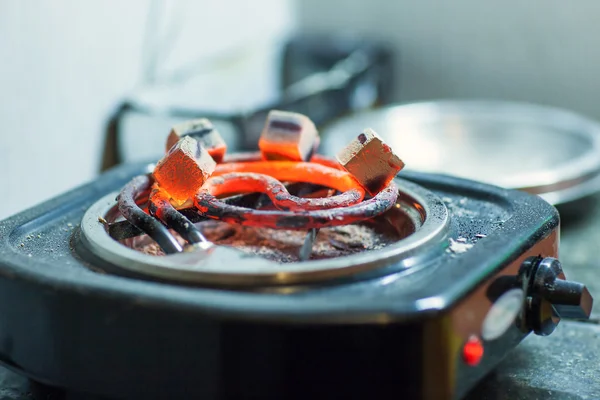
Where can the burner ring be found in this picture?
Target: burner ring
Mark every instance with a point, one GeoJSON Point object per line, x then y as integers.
{"type": "Point", "coordinates": [423, 209]}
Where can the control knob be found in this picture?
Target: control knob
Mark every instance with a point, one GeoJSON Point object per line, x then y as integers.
{"type": "Point", "coordinates": [550, 297]}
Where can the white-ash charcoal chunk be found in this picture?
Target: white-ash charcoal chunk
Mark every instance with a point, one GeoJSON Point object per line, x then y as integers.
{"type": "Point", "coordinates": [184, 169]}
{"type": "Point", "coordinates": [288, 136]}
{"type": "Point", "coordinates": [204, 132]}
{"type": "Point", "coordinates": [372, 162]}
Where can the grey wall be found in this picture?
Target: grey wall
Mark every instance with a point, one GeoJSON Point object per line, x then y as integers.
{"type": "Point", "coordinates": [540, 51]}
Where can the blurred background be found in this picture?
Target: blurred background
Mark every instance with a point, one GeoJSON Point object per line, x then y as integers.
{"type": "Point", "coordinates": [87, 85]}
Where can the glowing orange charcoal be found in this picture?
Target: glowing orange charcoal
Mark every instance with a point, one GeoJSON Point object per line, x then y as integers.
{"type": "Point", "coordinates": [184, 169]}
{"type": "Point", "coordinates": [288, 136]}
{"type": "Point", "coordinates": [371, 161]}
{"type": "Point", "coordinates": [203, 131]}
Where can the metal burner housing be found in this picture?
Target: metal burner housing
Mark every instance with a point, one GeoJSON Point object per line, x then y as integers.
{"type": "Point", "coordinates": [418, 211]}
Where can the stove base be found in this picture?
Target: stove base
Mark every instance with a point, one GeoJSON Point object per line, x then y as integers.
{"type": "Point", "coordinates": [541, 368]}
{"type": "Point", "coordinates": [399, 331]}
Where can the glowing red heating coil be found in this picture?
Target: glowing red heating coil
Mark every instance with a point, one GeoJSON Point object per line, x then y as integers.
{"type": "Point", "coordinates": [293, 212]}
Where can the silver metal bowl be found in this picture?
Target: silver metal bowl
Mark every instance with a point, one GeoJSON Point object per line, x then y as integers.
{"type": "Point", "coordinates": [541, 150]}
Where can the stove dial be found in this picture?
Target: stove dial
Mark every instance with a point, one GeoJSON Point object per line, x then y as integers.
{"type": "Point", "coordinates": [502, 314]}
{"type": "Point", "coordinates": [551, 297]}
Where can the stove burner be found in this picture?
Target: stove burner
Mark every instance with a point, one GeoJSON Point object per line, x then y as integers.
{"type": "Point", "coordinates": [196, 172]}
{"type": "Point", "coordinates": [392, 320]}
{"type": "Point", "coordinates": [419, 218]}
{"type": "Point", "coordinates": [291, 212]}
{"type": "Point", "coordinates": [398, 319]}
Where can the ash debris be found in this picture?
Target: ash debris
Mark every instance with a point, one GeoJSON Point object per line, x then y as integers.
{"type": "Point", "coordinates": [459, 246]}
{"type": "Point", "coordinates": [282, 245]}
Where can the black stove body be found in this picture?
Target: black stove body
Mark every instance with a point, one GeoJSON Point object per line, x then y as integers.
{"type": "Point", "coordinates": [430, 329]}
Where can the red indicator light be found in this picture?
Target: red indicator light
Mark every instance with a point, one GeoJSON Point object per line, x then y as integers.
{"type": "Point", "coordinates": [473, 351]}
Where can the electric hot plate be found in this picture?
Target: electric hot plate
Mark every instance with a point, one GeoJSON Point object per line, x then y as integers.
{"type": "Point", "coordinates": [465, 272]}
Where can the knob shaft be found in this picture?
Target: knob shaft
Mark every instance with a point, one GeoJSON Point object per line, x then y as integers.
{"type": "Point", "coordinates": [551, 297]}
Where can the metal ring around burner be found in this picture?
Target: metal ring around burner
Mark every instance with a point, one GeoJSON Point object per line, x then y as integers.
{"type": "Point", "coordinates": [222, 265]}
